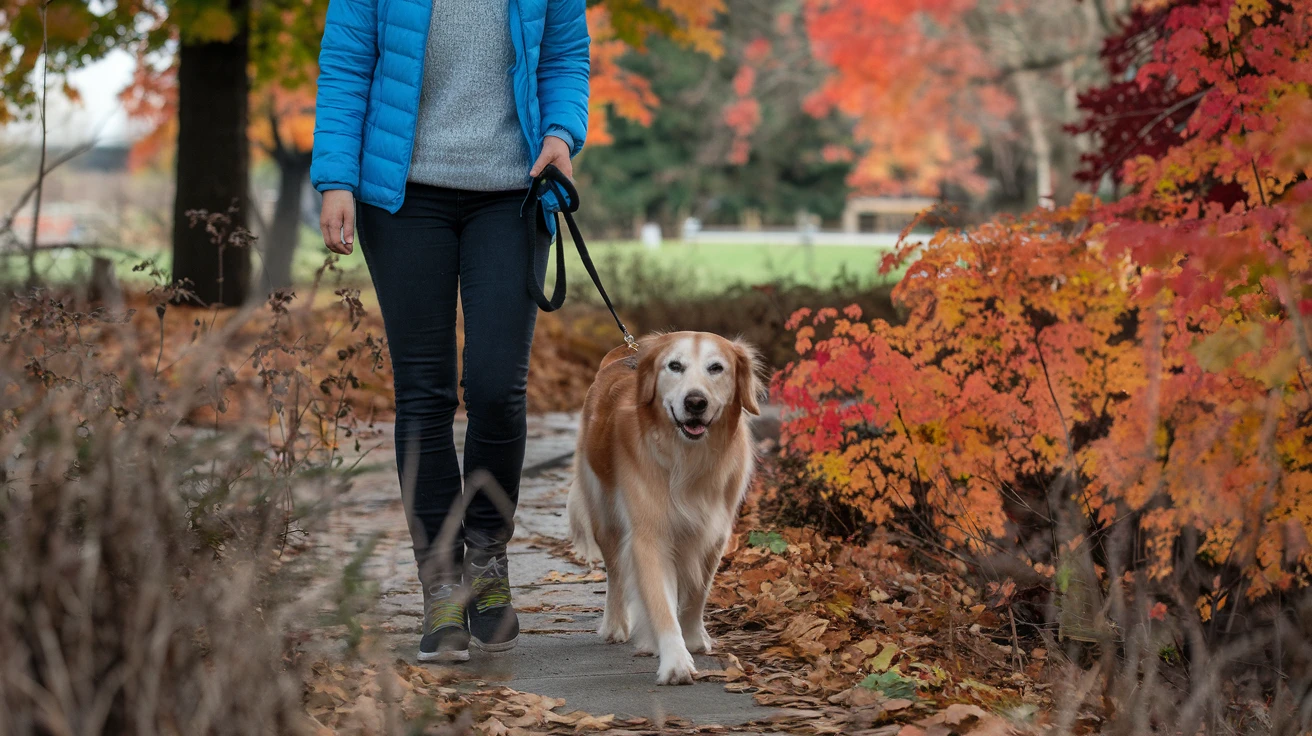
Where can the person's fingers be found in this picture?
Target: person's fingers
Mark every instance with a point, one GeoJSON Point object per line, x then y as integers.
{"type": "Point", "coordinates": [544, 158]}
{"type": "Point", "coordinates": [348, 231]}
{"type": "Point", "coordinates": [566, 166]}
{"type": "Point", "coordinates": [327, 231]}
{"type": "Point", "coordinates": [330, 224]}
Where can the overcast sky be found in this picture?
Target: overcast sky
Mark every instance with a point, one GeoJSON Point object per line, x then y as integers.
{"type": "Point", "coordinates": [99, 110]}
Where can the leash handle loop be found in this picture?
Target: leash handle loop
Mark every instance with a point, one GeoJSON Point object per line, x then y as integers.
{"type": "Point", "coordinates": [553, 181]}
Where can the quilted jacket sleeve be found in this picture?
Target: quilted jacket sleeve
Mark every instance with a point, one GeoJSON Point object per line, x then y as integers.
{"type": "Point", "coordinates": [346, 65]}
{"type": "Point", "coordinates": [563, 72]}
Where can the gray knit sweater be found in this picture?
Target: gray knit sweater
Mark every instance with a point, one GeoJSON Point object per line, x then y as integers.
{"type": "Point", "coordinates": [468, 135]}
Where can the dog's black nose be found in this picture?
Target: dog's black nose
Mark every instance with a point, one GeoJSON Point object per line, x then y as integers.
{"type": "Point", "coordinates": [695, 403]}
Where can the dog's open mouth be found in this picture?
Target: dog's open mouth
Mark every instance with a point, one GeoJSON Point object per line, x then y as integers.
{"type": "Point", "coordinates": [693, 429]}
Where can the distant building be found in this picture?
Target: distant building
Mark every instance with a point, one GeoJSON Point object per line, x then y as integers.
{"type": "Point", "coordinates": [882, 214]}
{"type": "Point", "coordinates": [64, 223]}
{"type": "Point", "coordinates": [100, 158]}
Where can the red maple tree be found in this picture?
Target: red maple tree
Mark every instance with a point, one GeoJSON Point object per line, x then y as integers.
{"type": "Point", "coordinates": [1144, 362]}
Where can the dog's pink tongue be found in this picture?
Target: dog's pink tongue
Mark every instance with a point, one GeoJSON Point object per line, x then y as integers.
{"type": "Point", "coordinates": [695, 428]}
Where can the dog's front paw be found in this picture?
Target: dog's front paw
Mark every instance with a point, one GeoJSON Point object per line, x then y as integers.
{"type": "Point", "coordinates": [698, 641]}
{"type": "Point", "coordinates": [614, 628]}
{"type": "Point", "coordinates": [676, 669]}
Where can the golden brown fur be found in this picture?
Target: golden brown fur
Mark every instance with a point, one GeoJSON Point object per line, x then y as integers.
{"type": "Point", "coordinates": [663, 460]}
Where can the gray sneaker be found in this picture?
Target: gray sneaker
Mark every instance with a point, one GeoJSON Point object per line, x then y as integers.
{"type": "Point", "coordinates": [445, 638]}
{"type": "Point", "coordinates": [492, 620]}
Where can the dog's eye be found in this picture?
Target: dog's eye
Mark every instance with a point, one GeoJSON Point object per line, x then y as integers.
{"type": "Point", "coordinates": [675, 366]}
{"type": "Point", "coordinates": [715, 369]}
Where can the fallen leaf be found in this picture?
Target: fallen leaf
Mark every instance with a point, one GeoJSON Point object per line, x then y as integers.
{"type": "Point", "coordinates": [971, 684]}
{"type": "Point", "coordinates": [804, 628]}
{"type": "Point", "coordinates": [892, 683]}
{"type": "Point", "coordinates": [788, 713]}
{"type": "Point", "coordinates": [958, 713]}
{"type": "Point", "coordinates": [534, 700]}
{"type": "Point", "coordinates": [314, 726]}
{"type": "Point", "coordinates": [594, 723]}
{"type": "Point", "coordinates": [568, 719]}
{"type": "Point", "coordinates": [524, 721]}
{"type": "Point", "coordinates": [867, 646]}
{"type": "Point", "coordinates": [320, 700]}
{"type": "Point", "coordinates": [783, 699]}
{"type": "Point", "coordinates": [890, 730]}
{"type": "Point", "coordinates": [885, 658]}
{"type": "Point", "coordinates": [860, 697]}
{"type": "Point", "coordinates": [556, 576]}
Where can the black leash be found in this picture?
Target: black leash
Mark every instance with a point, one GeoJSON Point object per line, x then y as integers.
{"type": "Point", "coordinates": [553, 181]}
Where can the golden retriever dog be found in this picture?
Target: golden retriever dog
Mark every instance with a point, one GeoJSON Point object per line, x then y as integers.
{"type": "Point", "coordinates": [664, 458]}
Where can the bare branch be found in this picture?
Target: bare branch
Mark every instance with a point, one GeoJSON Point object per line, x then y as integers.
{"type": "Point", "coordinates": [82, 247]}
{"type": "Point", "coordinates": [1044, 63]}
{"type": "Point", "coordinates": [7, 222]}
{"type": "Point", "coordinates": [41, 167]}
{"type": "Point", "coordinates": [1109, 26]}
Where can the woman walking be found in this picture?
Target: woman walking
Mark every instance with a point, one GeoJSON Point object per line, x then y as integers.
{"type": "Point", "coordinates": [432, 118]}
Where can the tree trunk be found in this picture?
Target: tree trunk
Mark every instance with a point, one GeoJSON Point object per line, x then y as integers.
{"type": "Point", "coordinates": [213, 163]}
{"type": "Point", "coordinates": [1040, 144]}
{"type": "Point", "coordinates": [285, 230]}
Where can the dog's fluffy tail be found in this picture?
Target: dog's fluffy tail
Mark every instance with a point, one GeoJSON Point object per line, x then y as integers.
{"type": "Point", "coordinates": [580, 519]}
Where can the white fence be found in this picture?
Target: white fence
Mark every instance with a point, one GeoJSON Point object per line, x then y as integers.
{"type": "Point", "coordinates": [792, 237]}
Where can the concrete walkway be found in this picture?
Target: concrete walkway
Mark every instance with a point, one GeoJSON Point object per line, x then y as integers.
{"type": "Point", "coordinates": [559, 654]}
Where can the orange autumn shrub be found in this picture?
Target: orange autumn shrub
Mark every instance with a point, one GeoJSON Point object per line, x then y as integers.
{"type": "Point", "coordinates": [1136, 371]}
{"type": "Point", "coordinates": [1013, 352]}
{"type": "Point", "coordinates": [1034, 362]}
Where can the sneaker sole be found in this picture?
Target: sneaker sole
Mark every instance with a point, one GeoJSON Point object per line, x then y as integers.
{"type": "Point", "coordinates": [504, 646]}
{"type": "Point", "coordinates": [449, 656]}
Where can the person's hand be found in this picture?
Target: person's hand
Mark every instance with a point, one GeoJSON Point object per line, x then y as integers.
{"type": "Point", "coordinates": [554, 151]}
{"type": "Point", "coordinates": [337, 221]}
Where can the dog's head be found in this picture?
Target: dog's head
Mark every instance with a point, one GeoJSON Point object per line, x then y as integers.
{"type": "Point", "coordinates": [699, 381]}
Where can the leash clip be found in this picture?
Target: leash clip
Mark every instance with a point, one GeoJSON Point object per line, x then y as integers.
{"type": "Point", "coordinates": [632, 343]}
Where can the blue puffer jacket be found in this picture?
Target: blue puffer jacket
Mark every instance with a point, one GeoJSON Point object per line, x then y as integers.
{"type": "Point", "coordinates": [370, 74]}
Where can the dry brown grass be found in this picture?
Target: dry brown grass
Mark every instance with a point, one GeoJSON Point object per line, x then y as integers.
{"type": "Point", "coordinates": [149, 456]}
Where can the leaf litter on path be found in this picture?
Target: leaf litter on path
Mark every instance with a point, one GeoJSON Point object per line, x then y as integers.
{"type": "Point", "coordinates": [840, 638]}
{"type": "Point", "coordinates": [865, 638]}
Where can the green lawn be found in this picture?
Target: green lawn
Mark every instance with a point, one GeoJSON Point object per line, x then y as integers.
{"type": "Point", "coordinates": [695, 268]}
{"type": "Point", "coordinates": [716, 265]}
{"type": "Point", "coordinates": [674, 267]}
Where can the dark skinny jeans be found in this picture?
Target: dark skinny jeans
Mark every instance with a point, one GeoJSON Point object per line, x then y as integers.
{"type": "Point", "coordinates": [444, 242]}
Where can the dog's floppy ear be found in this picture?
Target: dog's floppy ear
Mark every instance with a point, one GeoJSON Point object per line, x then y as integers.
{"type": "Point", "coordinates": [746, 371]}
{"type": "Point", "coordinates": [652, 349]}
